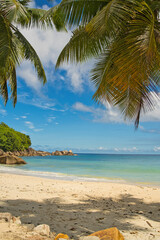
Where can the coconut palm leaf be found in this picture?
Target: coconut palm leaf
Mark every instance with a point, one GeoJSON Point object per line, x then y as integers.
{"type": "Point", "coordinates": [81, 11]}
{"type": "Point", "coordinates": [114, 17]}
{"type": "Point", "coordinates": [13, 83]}
{"type": "Point", "coordinates": [13, 9]}
{"type": "Point", "coordinates": [3, 88]}
{"type": "Point", "coordinates": [31, 55]}
{"type": "Point", "coordinates": [123, 74]}
{"type": "Point", "coordinates": [127, 70]}
{"type": "Point", "coordinates": [54, 17]}
{"type": "Point", "coordinates": [81, 47]}
{"type": "Point", "coordinates": [5, 41]}
{"type": "Point", "coordinates": [14, 47]}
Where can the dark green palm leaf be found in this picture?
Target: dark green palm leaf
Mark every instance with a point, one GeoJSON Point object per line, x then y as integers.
{"type": "Point", "coordinates": [81, 11]}
{"type": "Point", "coordinates": [81, 47]}
{"type": "Point", "coordinates": [31, 55]}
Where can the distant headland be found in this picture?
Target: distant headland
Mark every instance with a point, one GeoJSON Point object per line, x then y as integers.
{"type": "Point", "coordinates": [14, 144]}
{"type": "Point", "coordinates": [14, 157]}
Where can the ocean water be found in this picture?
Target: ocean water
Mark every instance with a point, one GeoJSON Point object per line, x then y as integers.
{"type": "Point", "coordinates": [139, 169]}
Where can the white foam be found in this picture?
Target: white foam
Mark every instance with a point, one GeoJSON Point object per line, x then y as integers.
{"type": "Point", "coordinates": [53, 175]}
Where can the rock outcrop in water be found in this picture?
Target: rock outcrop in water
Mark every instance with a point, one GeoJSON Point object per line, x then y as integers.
{"type": "Point", "coordinates": [10, 159]}
{"type": "Point", "coordinates": [30, 152]}
{"type": "Point", "coordinates": [14, 157]}
{"type": "Point", "coordinates": [63, 153]}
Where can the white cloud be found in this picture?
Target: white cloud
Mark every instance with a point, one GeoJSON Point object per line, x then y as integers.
{"type": "Point", "coordinates": [149, 130]}
{"type": "Point", "coordinates": [27, 72]}
{"type": "Point", "coordinates": [3, 112]}
{"type": "Point", "coordinates": [38, 130]}
{"type": "Point", "coordinates": [50, 119]}
{"type": "Point", "coordinates": [132, 149]}
{"type": "Point", "coordinates": [103, 114]}
{"type": "Point", "coordinates": [102, 149]}
{"type": "Point", "coordinates": [17, 118]}
{"type": "Point", "coordinates": [48, 44]}
{"type": "Point", "coordinates": [154, 115]}
{"type": "Point", "coordinates": [40, 102]}
{"type": "Point", "coordinates": [23, 117]}
{"type": "Point", "coordinates": [32, 4]}
{"type": "Point", "coordinates": [156, 149]}
{"type": "Point", "coordinates": [81, 107]}
{"type": "Point", "coordinates": [45, 7]}
{"type": "Point", "coordinates": [106, 113]}
{"type": "Point", "coordinates": [30, 125]}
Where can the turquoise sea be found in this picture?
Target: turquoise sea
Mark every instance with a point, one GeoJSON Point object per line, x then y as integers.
{"type": "Point", "coordinates": [141, 169]}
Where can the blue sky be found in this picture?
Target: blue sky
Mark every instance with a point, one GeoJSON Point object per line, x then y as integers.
{"type": "Point", "coordinates": [62, 114]}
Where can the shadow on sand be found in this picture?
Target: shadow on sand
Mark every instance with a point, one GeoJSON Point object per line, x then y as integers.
{"type": "Point", "coordinates": [86, 216]}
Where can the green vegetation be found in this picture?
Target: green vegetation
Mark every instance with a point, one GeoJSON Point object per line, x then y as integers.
{"type": "Point", "coordinates": [14, 47]}
{"type": "Point", "coordinates": [124, 37]}
{"type": "Point", "coordinates": [11, 140]}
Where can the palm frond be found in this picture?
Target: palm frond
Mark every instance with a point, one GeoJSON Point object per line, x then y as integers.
{"type": "Point", "coordinates": [123, 74]}
{"type": "Point", "coordinates": [54, 17]}
{"type": "Point", "coordinates": [115, 17]}
{"type": "Point", "coordinates": [13, 9]}
{"type": "Point", "coordinates": [5, 41]}
{"type": "Point", "coordinates": [81, 11]}
{"type": "Point", "coordinates": [3, 88]}
{"type": "Point", "coordinates": [33, 19]}
{"type": "Point", "coordinates": [81, 47]}
{"type": "Point", "coordinates": [13, 83]}
{"type": "Point", "coordinates": [31, 55]}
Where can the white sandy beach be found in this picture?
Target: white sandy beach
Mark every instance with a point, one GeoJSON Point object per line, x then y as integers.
{"type": "Point", "coordinates": [81, 208]}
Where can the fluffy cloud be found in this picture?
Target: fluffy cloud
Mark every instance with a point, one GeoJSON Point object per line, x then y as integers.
{"type": "Point", "coordinates": [31, 126]}
{"type": "Point", "coordinates": [48, 44]}
{"type": "Point", "coordinates": [50, 119]}
{"type": "Point", "coordinates": [3, 112]}
{"type": "Point", "coordinates": [156, 149]}
{"type": "Point", "coordinates": [154, 115]}
{"type": "Point", "coordinates": [40, 102]}
{"type": "Point", "coordinates": [28, 74]}
{"type": "Point", "coordinates": [103, 114]}
{"type": "Point", "coordinates": [106, 113]}
{"type": "Point", "coordinates": [132, 149]}
{"type": "Point", "coordinates": [81, 107]}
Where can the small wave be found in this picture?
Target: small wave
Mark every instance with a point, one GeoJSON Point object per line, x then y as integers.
{"type": "Point", "coordinates": [56, 176]}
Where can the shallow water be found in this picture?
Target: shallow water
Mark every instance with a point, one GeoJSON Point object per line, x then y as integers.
{"type": "Point", "coordinates": [143, 169]}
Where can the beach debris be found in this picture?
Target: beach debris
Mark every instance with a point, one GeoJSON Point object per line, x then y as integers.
{"type": "Point", "coordinates": [89, 238]}
{"type": "Point", "coordinates": [5, 217]}
{"type": "Point", "coordinates": [149, 223]}
{"type": "Point", "coordinates": [109, 234]}
{"type": "Point", "coordinates": [61, 236]}
{"type": "Point", "coordinates": [16, 220]}
{"type": "Point", "coordinates": [42, 229]}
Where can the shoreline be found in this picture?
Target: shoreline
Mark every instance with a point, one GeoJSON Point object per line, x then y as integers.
{"type": "Point", "coordinates": [79, 208]}
{"type": "Point", "coordinates": [75, 178]}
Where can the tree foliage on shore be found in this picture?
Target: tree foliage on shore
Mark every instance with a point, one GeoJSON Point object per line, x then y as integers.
{"type": "Point", "coordinates": [124, 37]}
{"type": "Point", "coordinates": [11, 140]}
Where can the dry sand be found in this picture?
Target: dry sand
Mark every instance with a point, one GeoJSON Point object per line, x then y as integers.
{"type": "Point", "coordinates": [81, 208]}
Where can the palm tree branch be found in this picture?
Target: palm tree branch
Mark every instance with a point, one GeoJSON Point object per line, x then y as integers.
{"type": "Point", "coordinates": [81, 11]}
{"type": "Point", "coordinates": [31, 55]}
